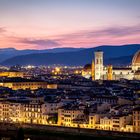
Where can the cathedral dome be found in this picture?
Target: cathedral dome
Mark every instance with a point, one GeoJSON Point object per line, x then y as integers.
{"type": "Point", "coordinates": [136, 61]}
{"type": "Point", "coordinates": [136, 58]}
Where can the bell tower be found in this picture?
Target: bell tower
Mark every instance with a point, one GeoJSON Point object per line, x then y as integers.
{"type": "Point", "coordinates": [98, 65]}
{"type": "Point", "coordinates": [92, 71]}
{"type": "Point", "coordinates": [109, 72]}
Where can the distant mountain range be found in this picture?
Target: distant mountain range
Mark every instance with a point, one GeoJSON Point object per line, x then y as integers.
{"type": "Point", "coordinates": [116, 55]}
{"type": "Point", "coordinates": [6, 53]}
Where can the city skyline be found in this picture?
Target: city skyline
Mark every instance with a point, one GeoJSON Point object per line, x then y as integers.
{"type": "Point", "coordinates": [69, 69]}
{"type": "Point", "coordinates": [48, 24]}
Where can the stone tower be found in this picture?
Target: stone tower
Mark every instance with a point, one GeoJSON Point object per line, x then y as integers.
{"type": "Point", "coordinates": [98, 65]}
{"type": "Point", "coordinates": [109, 72]}
{"type": "Point", "coordinates": [92, 71]}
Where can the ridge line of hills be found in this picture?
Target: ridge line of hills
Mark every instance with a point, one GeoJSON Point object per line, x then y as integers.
{"type": "Point", "coordinates": [116, 55]}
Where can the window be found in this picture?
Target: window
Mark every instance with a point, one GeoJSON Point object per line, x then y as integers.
{"type": "Point", "coordinates": [96, 61]}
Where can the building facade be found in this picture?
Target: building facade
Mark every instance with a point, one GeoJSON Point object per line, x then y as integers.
{"type": "Point", "coordinates": [136, 120]}
{"type": "Point", "coordinates": [68, 117]}
{"type": "Point", "coordinates": [28, 85]}
{"type": "Point", "coordinates": [12, 74]}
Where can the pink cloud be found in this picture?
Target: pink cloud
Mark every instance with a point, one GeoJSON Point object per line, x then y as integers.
{"type": "Point", "coordinates": [2, 30]}
{"type": "Point", "coordinates": [41, 43]}
{"type": "Point", "coordinates": [84, 38]}
{"type": "Point", "coordinates": [107, 36]}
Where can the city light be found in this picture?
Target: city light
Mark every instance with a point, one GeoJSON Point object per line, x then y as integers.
{"type": "Point", "coordinates": [73, 71]}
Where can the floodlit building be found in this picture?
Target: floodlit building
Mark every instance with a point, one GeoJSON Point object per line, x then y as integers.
{"type": "Point", "coordinates": [32, 85]}
{"type": "Point", "coordinates": [68, 117]}
{"type": "Point", "coordinates": [12, 74]}
{"type": "Point", "coordinates": [32, 113]}
{"type": "Point", "coordinates": [10, 111]}
{"type": "Point", "coordinates": [136, 119]}
{"type": "Point", "coordinates": [108, 122]}
{"type": "Point", "coordinates": [117, 123]}
{"type": "Point", "coordinates": [94, 120]}
{"type": "Point", "coordinates": [22, 112]}
{"type": "Point", "coordinates": [112, 73]}
{"type": "Point", "coordinates": [105, 123]}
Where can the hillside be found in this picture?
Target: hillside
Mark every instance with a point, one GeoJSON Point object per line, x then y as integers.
{"type": "Point", "coordinates": [116, 55]}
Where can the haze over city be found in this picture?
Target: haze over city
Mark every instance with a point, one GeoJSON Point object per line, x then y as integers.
{"type": "Point", "coordinates": [44, 24]}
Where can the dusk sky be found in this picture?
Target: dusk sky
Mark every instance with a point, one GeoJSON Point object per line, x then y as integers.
{"type": "Point", "coordinates": [43, 24]}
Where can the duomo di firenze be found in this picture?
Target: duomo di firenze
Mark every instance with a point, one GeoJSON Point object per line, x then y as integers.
{"type": "Point", "coordinates": [97, 70]}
